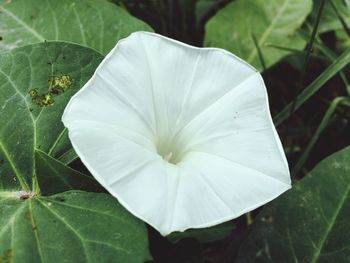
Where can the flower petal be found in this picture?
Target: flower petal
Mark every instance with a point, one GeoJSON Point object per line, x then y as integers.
{"type": "Point", "coordinates": [127, 169]}
{"type": "Point", "coordinates": [182, 136]}
{"type": "Point", "coordinates": [223, 190]}
{"type": "Point", "coordinates": [238, 127]}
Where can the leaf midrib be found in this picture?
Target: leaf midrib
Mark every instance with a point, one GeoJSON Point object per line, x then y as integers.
{"type": "Point", "coordinates": [24, 185]}
{"type": "Point", "coordinates": [93, 211]}
{"type": "Point", "coordinates": [330, 226]}
{"type": "Point", "coordinates": [22, 23]}
{"type": "Point", "coordinates": [81, 238]}
{"type": "Point", "coordinates": [18, 174]}
{"type": "Point", "coordinates": [30, 208]}
{"type": "Point", "coordinates": [69, 226]}
{"type": "Point", "coordinates": [12, 218]}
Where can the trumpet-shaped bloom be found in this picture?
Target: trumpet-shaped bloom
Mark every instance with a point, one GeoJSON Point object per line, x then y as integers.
{"type": "Point", "coordinates": [181, 136]}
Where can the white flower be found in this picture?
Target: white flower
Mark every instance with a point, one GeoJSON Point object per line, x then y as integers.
{"type": "Point", "coordinates": [181, 136]}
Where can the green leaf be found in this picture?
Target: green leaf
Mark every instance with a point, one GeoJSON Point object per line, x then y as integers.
{"type": "Point", "coordinates": [96, 24]}
{"type": "Point", "coordinates": [272, 22]}
{"type": "Point", "coordinates": [55, 177]}
{"type": "Point", "coordinates": [70, 227]}
{"type": "Point", "coordinates": [26, 125]}
{"type": "Point", "coordinates": [309, 223]}
{"type": "Point", "coordinates": [204, 235]}
{"type": "Point", "coordinates": [330, 19]}
{"type": "Point", "coordinates": [68, 157]}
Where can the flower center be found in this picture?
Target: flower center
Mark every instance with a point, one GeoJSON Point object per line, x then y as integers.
{"type": "Point", "coordinates": [170, 151]}
{"type": "Point", "coordinates": [168, 156]}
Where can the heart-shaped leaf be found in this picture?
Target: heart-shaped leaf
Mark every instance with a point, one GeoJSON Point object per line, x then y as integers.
{"type": "Point", "coordinates": [36, 83]}
{"type": "Point", "coordinates": [69, 227]}
{"type": "Point", "coordinates": [271, 22]}
{"type": "Point", "coordinates": [98, 24]}
{"type": "Point", "coordinates": [310, 223]}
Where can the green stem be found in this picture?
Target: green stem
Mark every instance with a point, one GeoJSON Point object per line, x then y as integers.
{"type": "Point", "coordinates": [249, 218]}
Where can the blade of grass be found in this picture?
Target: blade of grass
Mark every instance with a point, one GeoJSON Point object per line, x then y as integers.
{"type": "Point", "coordinates": [261, 58]}
{"type": "Point", "coordinates": [309, 49]}
{"type": "Point", "coordinates": [324, 123]}
{"type": "Point", "coordinates": [342, 61]}
{"type": "Point", "coordinates": [313, 37]}
{"type": "Point", "coordinates": [330, 54]}
{"type": "Point", "coordinates": [341, 19]}
{"type": "Point", "coordinates": [297, 51]}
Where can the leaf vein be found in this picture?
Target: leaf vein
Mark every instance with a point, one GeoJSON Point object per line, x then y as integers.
{"type": "Point", "coordinates": [59, 217]}
{"type": "Point", "coordinates": [22, 23]}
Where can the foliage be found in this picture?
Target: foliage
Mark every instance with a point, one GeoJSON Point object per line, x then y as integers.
{"type": "Point", "coordinates": [31, 136]}
{"type": "Point", "coordinates": [333, 9]}
{"type": "Point", "coordinates": [52, 210]}
{"type": "Point", "coordinates": [70, 227]}
{"type": "Point", "coordinates": [92, 23]}
{"type": "Point", "coordinates": [307, 224]}
{"type": "Point", "coordinates": [270, 22]}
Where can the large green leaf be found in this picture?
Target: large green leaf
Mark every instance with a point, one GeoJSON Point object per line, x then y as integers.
{"type": "Point", "coordinates": [310, 223]}
{"type": "Point", "coordinates": [25, 125]}
{"type": "Point", "coordinates": [94, 23]}
{"type": "Point", "coordinates": [330, 19]}
{"type": "Point", "coordinates": [69, 227]}
{"type": "Point", "coordinates": [36, 83]}
{"type": "Point", "coordinates": [271, 22]}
